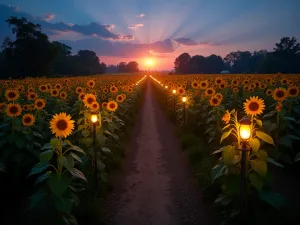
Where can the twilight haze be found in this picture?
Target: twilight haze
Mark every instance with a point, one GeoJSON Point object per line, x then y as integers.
{"type": "Point", "coordinates": [126, 30]}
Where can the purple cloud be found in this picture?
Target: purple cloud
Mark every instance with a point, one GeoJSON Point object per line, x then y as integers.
{"type": "Point", "coordinates": [142, 15]}
{"type": "Point", "coordinates": [185, 41]}
{"type": "Point", "coordinates": [47, 17]}
{"type": "Point", "coordinates": [135, 26]}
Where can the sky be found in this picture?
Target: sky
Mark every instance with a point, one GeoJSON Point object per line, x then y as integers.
{"type": "Point", "coordinates": [126, 30]}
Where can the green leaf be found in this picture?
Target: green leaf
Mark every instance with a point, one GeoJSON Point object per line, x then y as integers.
{"type": "Point", "coordinates": [43, 177]}
{"type": "Point", "coordinates": [227, 126]}
{"type": "Point", "coordinates": [270, 160]}
{"type": "Point", "coordinates": [68, 162]}
{"type": "Point", "coordinates": [259, 122]}
{"type": "Point", "coordinates": [225, 135]}
{"type": "Point", "coordinates": [255, 144]}
{"type": "Point", "coordinates": [218, 171]}
{"type": "Point", "coordinates": [38, 135]}
{"type": "Point", "coordinates": [259, 166]}
{"type": "Point", "coordinates": [217, 151]}
{"type": "Point", "coordinates": [76, 148]}
{"type": "Point", "coordinates": [265, 137]}
{"type": "Point", "coordinates": [20, 143]}
{"type": "Point", "coordinates": [37, 145]}
{"type": "Point", "coordinates": [262, 155]}
{"type": "Point", "coordinates": [2, 167]}
{"type": "Point", "coordinates": [223, 200]}
{"type": "Point", "coordinates": [68, 142]}
{"type": "Point", "coordinates": [297, 157]}
{"type": "Point", "coordinates": [286, 142]}
{"type": "Point", "coordinates": [47, 146]}
{"type": "Point", "coordinates": [76, 157]}
{"type": "Point", "coordinates": [273, 198]}
{"type": "Point", "coordinates": [77, 173]}
{"type": "Point", "coordinates": [106, 150]}
{"type": "Point", "coordinates": [228, 154]}
{"type": "Point", "coordinates": [36, 198]}
{"type": "Point", "coordinates": [80, 127]}
{"type": "Point", "coordinates": [101, 139]}
{"type": "Point", "coordinates": [38, 168]}
{"type": "Point", "coordinates": [46, 156]}
{"type": "Point", "coordinates": [63, 205]}
{"type": "Point", "coordinates": [79, 121]}
{"type": "Point", "coordinates": [59, 184]}
{"type": "Point", "coordinates": [256, 181]}
{"type": "Point", "coordinates": [54, 143]}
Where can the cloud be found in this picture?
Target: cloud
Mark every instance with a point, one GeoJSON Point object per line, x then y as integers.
{"type": "Point", "coordinates": [185, 41]}
{"type": "Point", "coordinates": [91, 29]}
{"type": "Point", "coordinates": [47, 17]}
{"type": "Point", "coordinates": [141, 15]}
{"type": "Point", "coordinates": [135, 26]}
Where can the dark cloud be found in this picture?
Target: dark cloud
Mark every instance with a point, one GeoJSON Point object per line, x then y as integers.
{"type": "Point", "coordinates": [91, 29]}
{"type": "Point", "coordinates": [47, 17]}
{"type": "Point", "coordinates": [185, 41]}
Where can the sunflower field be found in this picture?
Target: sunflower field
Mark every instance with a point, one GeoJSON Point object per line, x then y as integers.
{"type": "Point", "coordinates": [54, 154]}
{"type": "Point", "coordinates": [207, 110]}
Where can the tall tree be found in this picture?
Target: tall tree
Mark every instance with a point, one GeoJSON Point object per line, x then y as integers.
{"type": "Point", "coordinates": [181, 63]}
{"type": "Point", "coordinates": [31, 53]}
{"type": "Point", "coordinates": [132, 67]}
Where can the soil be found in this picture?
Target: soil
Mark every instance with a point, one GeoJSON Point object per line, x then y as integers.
{"type": "Point", "coordinates": [155, 185]}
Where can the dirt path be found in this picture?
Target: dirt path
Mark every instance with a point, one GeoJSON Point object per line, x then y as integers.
{"type": "Point", "coordinates": [155, 186]}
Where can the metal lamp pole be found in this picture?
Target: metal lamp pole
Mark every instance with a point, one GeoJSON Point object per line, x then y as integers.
{"type": "Point", "coordinates": [184, 110]}
{"type": "Point", "coordinates": [94, 119]}
{"type": "Point", "coordinates": [245, 133]}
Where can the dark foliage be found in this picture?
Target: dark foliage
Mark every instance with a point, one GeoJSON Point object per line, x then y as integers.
{"type": "Point", "coordinates": [284, 58]}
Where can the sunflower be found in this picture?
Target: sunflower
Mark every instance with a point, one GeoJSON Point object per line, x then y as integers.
{"type": "Point", "coordinates": [89, 99]}
{"type": "Point", "coordinates": [61, 125]}
{"type": "Point", "coordinates": [210, 91]}
{"type": "Point", "coordinates": [32, 96]}
{"type": "Point", "coordinates": [235, 90]}
{"type": "Point", "coordinates": [204, 84]}
{"type": "Point", "coordinates": [222, 85]}
{"type": "Point", "coordinates": [219, 96]}
{"type": "Point", "coordinates": [25, 107]}
{"type": "Point", "coordinates": [254, 106]}
{"type": "Point", "coordinates": [39, 104]}
{"type": "Point", "coordinates": [28, 120]}
{"type": "Point", "coordinates": [195, 84]}
{"type": "Point", "coordinates": [91, 83]}
{"type": "Point", "coordinates": [214, 101]}
{"type": "Point", "coordinates": [2, 105]}
{"type": "Point", "coordinates": [234, 82]}
{"type": "Point", "coordinates": [269, 92]}
{"type": "Point", "coordinates": [13, 110]}
{"type": "Point", "coordinates": [54, 92]}
{"type": "Point", "coordinates": [81, 96]}
{"type": "Point", "coordinates": [11, 95]}
{"type": "Point", "coordinates": [112, 105]}
{"type": "Point", "coordinates": [58, 86]}
{"type": "Point", "coordinates": [124, 97]}
{"type": "Point", "coordinates": [63, 95]}
{"type": "Point", "coordinates": [104, 105]}
{"type": "Point", "coordinates": [105, 90]}
{"type": "Point", "coordinates": [293, 91]}
{"type": "Point", "coordinates": [280, 94]}
{"type": "Point", "coordinates": [79, 90]}
{"type": "Point", "coordinates": [218, 81]}
{"type": "Point", "coordinates": [226, 117]}
{"type": "Point", "coordinates": [181, 91]}
{"type": "Point", "coordinates": [119, 98]}
{"type": "Point", "coordinates": [94, 106]}
{"type": "Point", "coordinates": [113, 89]}
{"type": "Point", "coordinates": [130, 89]}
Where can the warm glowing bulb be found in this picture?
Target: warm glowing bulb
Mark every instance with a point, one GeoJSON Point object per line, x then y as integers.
{"type": "Point", "coordinates": [174, 91]}
{"type": "Point", "coordinates": [166, 87]}
{"type": "Point", "coordinates": [245, 131]}
{"type": "Point", "coordinates": [94, 118]}
{"type": "Point", "coordinates": [184, 99]}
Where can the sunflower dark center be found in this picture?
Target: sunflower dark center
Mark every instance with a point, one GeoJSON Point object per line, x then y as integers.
{"type": "Point", "coordinates": [203, 84]}
{"type": "Point", "coordinates": [215, 100]}
{"type": "Point", "coordinates": [12, 94]}
{"type": "Point", "coordinates": [39, 104]}
{"type": "Point", "coordinates": [280, 94]}
{"type": "Point", "coordinates": [209, 92]}
{"type": "Point", "coordinates": [112, 105]}
{"type": "Point", "coordinates": [218, 81]}
{"type": "Point", "coordinates": [90, 100]}
{"type": "Point", "coordinates": [293, 91]}
{"type": "Point", "coordinates": [27, 119]}
{"type": "Point", "coordinates": [13, 109]}
{"type": "Point", "coordinates": [253, 106]}
{"type": "Point", "coordinates": [61, 124]}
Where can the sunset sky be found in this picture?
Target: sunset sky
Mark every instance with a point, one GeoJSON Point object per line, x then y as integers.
{"type": "Point", "coordinates": [126, 30]}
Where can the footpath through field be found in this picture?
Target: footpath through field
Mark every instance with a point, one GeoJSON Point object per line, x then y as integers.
{"type": "Point", "coordinates": [155, 186]}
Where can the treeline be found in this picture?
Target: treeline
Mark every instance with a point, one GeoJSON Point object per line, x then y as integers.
{"type": "Point", "coordinates": [123, 67]}
{"type": "Point", "coordinates": [284, 58]}
{"type": "Point", "coordinates": [32, 54]}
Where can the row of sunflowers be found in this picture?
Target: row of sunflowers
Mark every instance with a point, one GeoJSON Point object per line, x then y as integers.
{"type": "Point", "coordinates": [51, 148]}
{"type": "Point", "coordinates": [210, 108]}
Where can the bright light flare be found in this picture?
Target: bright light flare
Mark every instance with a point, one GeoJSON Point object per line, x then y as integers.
{"type": "Point", "coordinates": [149, 62]}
